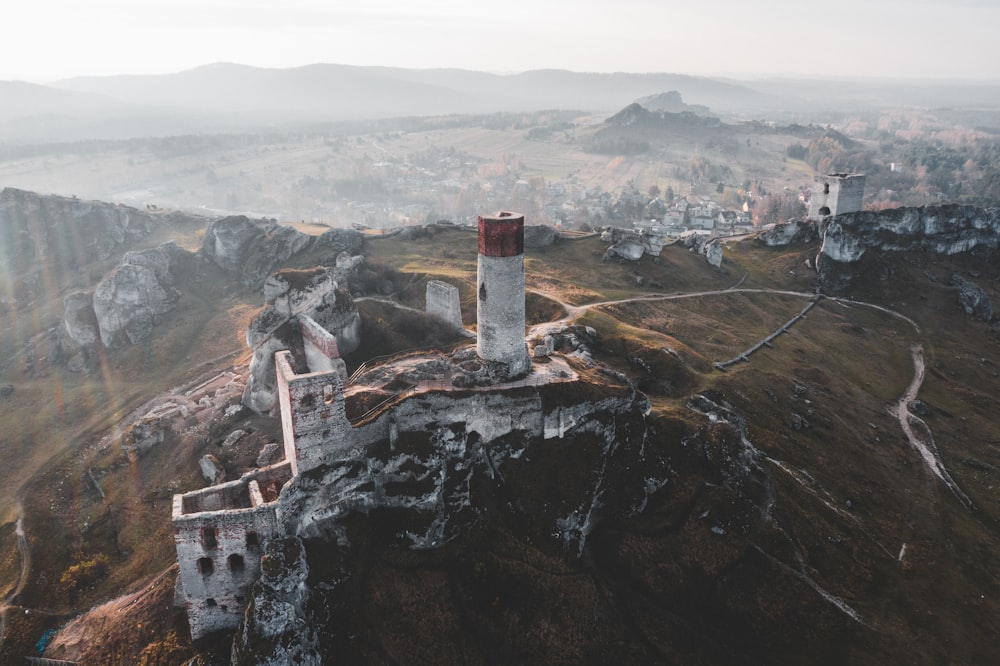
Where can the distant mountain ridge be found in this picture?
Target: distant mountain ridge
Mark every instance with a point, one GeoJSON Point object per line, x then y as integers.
{"type": "Point", "coordinates": [335, 92]}
{"type": "Point", "coordinates": [227, 97]}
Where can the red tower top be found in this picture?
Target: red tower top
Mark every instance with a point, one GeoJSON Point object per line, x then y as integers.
{"type": "Point", "coordinates": [501, 235]}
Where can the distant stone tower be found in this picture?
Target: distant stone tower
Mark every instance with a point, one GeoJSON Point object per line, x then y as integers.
{"type": "Point", "coordinates": [837, 193]}
{"type": "Point", "coordinates": [500, 308]}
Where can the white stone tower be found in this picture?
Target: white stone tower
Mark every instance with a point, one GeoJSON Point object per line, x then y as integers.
{"type": "Point", "coordinates": [500, 308]}
{"type": "Point", "coordinates": [837, 193]}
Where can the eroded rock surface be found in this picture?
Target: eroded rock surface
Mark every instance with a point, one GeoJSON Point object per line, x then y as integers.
{"type": "Point", "coordinates": [251, 249]}
{"type": "Point", "coordinates": [944, 230]}
{"type": "Point", "coordinates": [36, 228]}
{"type": "Point", "coordinates": [277, 631]}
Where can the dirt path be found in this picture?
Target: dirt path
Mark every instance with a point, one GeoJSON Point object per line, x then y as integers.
{"type": "Point", "coordinates": [22, 577]}
{"type": "Point", "coordinates": [923, 442]}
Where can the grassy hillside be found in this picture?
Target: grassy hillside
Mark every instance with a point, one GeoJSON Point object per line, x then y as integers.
{"type": "Point", "coordinates": [846, 491]}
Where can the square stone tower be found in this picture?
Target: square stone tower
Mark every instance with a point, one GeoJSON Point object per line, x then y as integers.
{"type": "Point", "coordinates": [837, 193]}
{"type": "Point", "coordinates": [500, 304]}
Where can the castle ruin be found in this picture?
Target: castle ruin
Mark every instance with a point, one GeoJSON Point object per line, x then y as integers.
{"type": "Point", "coordinates": [443, 302]}
{"type": "Point", "coordinates": [220, 531]}
{"type": "Point", "coordinates": [836, 194]}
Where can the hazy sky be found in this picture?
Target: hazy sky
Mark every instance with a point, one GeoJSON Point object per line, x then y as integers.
{"type": "Point", "coordinates": [45, 40]}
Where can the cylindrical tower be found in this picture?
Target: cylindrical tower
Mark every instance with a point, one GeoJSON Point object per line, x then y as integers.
{"type": "Point", "coordinates": [500, 309]}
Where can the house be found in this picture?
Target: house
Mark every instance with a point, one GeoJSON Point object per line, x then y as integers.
{"type": "Point", "coordinates": [726, 218]}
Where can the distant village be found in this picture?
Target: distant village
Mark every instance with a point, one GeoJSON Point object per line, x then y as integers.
{"type": "Point", "coordinates": [453, 187]}
{"type": "Point", "coordinates": [450, 186]}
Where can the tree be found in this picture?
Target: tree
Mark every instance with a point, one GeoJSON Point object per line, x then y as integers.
{"type": "Point", "coordinates": [654, 190]}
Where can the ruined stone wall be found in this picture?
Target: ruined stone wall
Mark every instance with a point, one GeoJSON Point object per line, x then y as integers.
{"type": "Point", "coordinates": [501, 310]}
{"type": "Point", "coordinates": [837, 194]}
{"type": "Point", "coordinates": [219, 549]}
{"type": "Point", "coordinates": [320, 347]}
{"type": "Point", "coordinates": [442, 301]}
{"type": "Point", "coordinates": [313, 419]}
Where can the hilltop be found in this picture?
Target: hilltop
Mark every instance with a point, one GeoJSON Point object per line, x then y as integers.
{"type": "Point", "coordinates": [781, 491]}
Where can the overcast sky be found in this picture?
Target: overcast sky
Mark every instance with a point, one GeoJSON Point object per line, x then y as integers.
{"type": "Point", "coordinates": [44, 40]}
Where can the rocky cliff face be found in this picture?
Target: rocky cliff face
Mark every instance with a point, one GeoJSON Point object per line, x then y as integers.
{"type": "Point", "coordinates": [38, 228]}
{"type": "Point", "coordinates": [251, 249]}
{"type": "Point", "coordinates": [945, 230]}
{"type": "Point", "coordinates": [277, 631]}
{"type": "Point", "coordinates": [127, 302]}
{"type": "Point", "coordinates": [446, 471]}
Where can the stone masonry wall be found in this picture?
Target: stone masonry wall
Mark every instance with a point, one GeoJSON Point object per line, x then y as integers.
{"type": "Point", "coordinates": [313, 419]}
{"type": "Point", "coordinates": [840, 193]}
{"type": "Point", "coordinates": [443, 302]}
{"type": "Point", "coordinates": [320, 347]}
{"type": "Point", "coordinates": [500, 312]}
{"type": "Point", "coordinates": [219, 551]}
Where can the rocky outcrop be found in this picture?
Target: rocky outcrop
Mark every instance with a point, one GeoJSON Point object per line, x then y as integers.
{"type": "Point", "coordinates": [126, 304]}
{"type": "Point", "coordinates": [72, 232]}
{"type": "Point", "coordinates": [129, 301]}
{"type": "Point", "coordinates": [277, 630]}
{"type": "Point", "coordinates": [973, 298]}
{"type": "Point", "coordinates": [211, 469]}
{"type": "Point", "coordinates": [711, 248]}
{"type": "Point", "coordinates": [432, 450]}
{"type": "Point", "coordinates": [252, 249]}
{"type": "Point", "coordinates": [79, 319]}
{"type": "Point", "coordinates": [288, 294]}
{"type": "Point", "coordinates": [944, 230]}
{"type": "Point", "coordinates": [539, 235]}
{"type": "Point", "coordinates": [794, 231]}
{"type": "Point", "coordinates": [713, 253]}
{"type": "Point", "coordinates": [336, 241]}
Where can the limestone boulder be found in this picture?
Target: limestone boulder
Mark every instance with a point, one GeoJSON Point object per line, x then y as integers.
{"type": "Point", "coordinates": [539, 235]}
{"type": "Point", "coordinates": [795, 231]}
{"type": "Point", "coordinates": [143, 435]}
{"type": "Point", "coordinates": [973, 299]}
{"type": "Point", "coordinates": [127, 304]}
{"type": "Point", "coordinates": [336, 241]}
{"type": "Point", "coordinates": [212, 469]}
{"type": "Point", "coordinates": [251, 248]}
{"type": "Point", "coordinates": [713, 253]}
{"type": "Point", "coordinates": [79, 319]}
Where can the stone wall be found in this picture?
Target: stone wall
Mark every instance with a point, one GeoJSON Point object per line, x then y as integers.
{"type": "Point", "coordinates": [313, 420]}
{"type": "Point", "coordinates": [219, 533]}
{"type": "Point", "coordinates": [320, 347]}
{"type": "Point", "coordinates": [836, 194]}
{"type": "Point", "coordinates": [442, 301]}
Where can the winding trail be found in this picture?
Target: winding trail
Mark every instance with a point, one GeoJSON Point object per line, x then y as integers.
{"type": "Point", "coordinates": [923, 442]}
{"type": "Point", "coordinates": [22, 577]}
